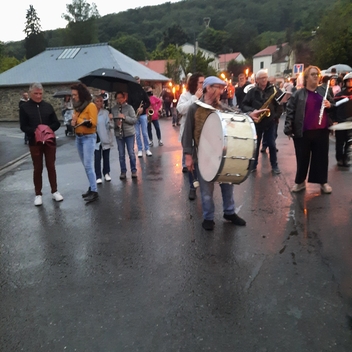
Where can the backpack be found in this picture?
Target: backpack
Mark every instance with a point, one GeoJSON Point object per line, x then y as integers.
{"type": "Point", "coordinates": [44, 135]}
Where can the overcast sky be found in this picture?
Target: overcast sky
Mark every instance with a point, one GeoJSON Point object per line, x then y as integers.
{"type": "Point", "coordinates": [13, 14]}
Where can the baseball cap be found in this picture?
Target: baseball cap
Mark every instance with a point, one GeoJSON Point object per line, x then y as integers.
{"type": "Point", "coordinates": [209, 81]}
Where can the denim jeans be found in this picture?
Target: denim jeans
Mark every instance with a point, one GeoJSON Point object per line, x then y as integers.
{"type": "Point", "coordinates": [157, 129]}
{"type": "Point", "coordinates": [142, 125]}
{"type": "Point", "coordinates": [206, 192]}
{"type": "Point", "coordinates": [121, 146]}
{"type": "Point", "coordinates": [270, 139]}
{"type": "Point", "coordinates": [86, 147]}
{"type": "Point", "coordinates": [106, 161]}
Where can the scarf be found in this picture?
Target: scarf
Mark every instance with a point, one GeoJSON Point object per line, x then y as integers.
{"type": "Point", "coordinates": [80, 106]}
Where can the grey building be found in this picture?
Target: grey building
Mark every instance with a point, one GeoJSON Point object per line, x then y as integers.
{"type": "Point", "coordinates": [58, 68]}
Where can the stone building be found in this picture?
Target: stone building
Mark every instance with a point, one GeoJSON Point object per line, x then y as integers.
{"type": "Point", "coordinates": [58, 68]}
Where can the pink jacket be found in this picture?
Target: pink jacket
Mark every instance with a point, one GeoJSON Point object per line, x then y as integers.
{"type": "Point", "coordinates": [155, 104]}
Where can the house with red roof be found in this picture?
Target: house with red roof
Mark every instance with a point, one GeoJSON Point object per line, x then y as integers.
{"type": "Point", "coordinates": [274, 58]}
{"type": "Point", "coordinates": [224, 59]}
{"type": "Point", "coordinates": [159, 66]}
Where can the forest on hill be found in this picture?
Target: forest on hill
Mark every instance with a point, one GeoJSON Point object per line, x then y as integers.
{"type": "Point", "coordinates": [319, 30]}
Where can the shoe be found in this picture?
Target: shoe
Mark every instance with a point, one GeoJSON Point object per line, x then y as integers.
{"type": "Point", "coordinates": [340, 163]}
{"type": "Point", "coordinates": [134, 174]}
{"type": "Point", "coordinates": [276, 170]}
{"type": "Point", "coordinates": [149, 153]}
{"type": "Point", "coordinates": [57, 197]}
{"type": "Point", "coordinates": [184, 169]}
{"type": "Point", "coordinates": [173, 125]}
{"type": "Point", "coordinates": [160, 143]}
{"type": "Point", "coordinates": [91, 197]}
{"type": "Point", "coordinates": [298, 187]}
{"type": "Point", "coordinates": [122, 176]}
{"type": "Point", "coordinates": [235, 219]}
{"type": "Point", "coordinates": [38, 200]}
{"type": "Point", "coordinates": [140, 154]}
{"type": "Point", "coordinates": [192, 194]}
{"type": "Point", "coordinates": [263, 150]}
{"type": "Point", "coordinates": [99, 181]}
{"type": "Point", "coordinates": [151, 144]}
{"type": "Point", "coordinates": [254, 169]}
{"type": "Point", "coordinates": [107, 178]}
{"type": "Point", "coordinates": [208, 225]}
{"type": "Point", "coordinates": [86, 194]}
{"type": "Point", "coordinates": [326, 188]}
{"type": "Point", "coordinates": [346, 164]}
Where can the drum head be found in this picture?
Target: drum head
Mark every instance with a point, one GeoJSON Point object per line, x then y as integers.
{"type": "Point", "coordinates": [210, 149]}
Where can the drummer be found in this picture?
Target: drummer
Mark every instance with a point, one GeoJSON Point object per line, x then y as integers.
{"type": "Point", "coordinates": [212, 90]}
{"type": "Point", "coordinates": [342, 113]}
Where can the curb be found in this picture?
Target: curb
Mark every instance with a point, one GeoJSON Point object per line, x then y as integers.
{"type": "Point", "coordinates": [14, 161]}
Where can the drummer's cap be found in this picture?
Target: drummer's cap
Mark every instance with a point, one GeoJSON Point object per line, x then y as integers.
{"type": "Point", "coordinates": [209, 81]}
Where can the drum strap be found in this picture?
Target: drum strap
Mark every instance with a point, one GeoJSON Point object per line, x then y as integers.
{"type": "Point", "coordinates": [199, 119]}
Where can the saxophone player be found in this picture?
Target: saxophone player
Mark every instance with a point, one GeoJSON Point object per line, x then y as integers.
{"type": "Point", "coordinates": [262, 97]}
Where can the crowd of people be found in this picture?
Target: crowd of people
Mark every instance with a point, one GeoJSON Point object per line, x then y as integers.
{"type": "Point", "coordinates": [309, 113]}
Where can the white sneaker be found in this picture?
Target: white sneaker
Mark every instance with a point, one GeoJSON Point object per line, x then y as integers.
{"type": "Point", "coordinates": [161, 143]}
{"type": "Point", "coordinates": [107, 178]}
{"type": "Point", "coordinates": [298, 187]}
{"type": "Point", "coordinates": [140, 154]}
{"type": "Point", "coordinates": [326, 188]}
{"type": "Point", "coordinates": [99, 181]}
{"type": "Point", "coordinates": [151, 144]}
{"type": "Point", "coordinates": [57, 196]}
{"type": "Point", "coordinates": [149, 153]}
{"type": "Point", "coordinates": [38, 200]}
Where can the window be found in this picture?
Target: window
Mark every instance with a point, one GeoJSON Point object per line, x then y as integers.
{"type": "Point", "coordinates": [69, 53]}
{"type": "Point", "coordinates": [261, 64]}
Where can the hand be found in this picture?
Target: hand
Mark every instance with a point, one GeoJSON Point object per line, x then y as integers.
{"type": "Point", "coordinates": [256, 113]}
{"type": "Point", "coordinates": [121, 116]}
{"type": "Point", "coordinates": [111, 116]}
{"type": "Point", "coordinates": [199, 93]}
{"type": "Point", "coordinates": [189, 162]}
{"type": "Point", "coordinates": [327, 104]}
{"type": "Point", "coordinates": [139, 110]}
{"type": "Point", "coordinates": [87, 123]}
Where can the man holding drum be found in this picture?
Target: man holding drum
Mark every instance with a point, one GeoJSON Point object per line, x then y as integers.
{"type": "Point", "coordinates": [196, 117]}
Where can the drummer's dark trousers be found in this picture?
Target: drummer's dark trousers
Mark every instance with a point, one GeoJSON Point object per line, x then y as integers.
{"type": "Point", "coordinates": [312, 153]}
{"type": "Point", "coordinates": [49, 153]}
{"type": "Point", "coordinates": [341, 145]}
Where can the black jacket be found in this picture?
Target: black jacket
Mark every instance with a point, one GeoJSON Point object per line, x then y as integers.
{"type": "Point", "coordinates": [33, 114]}
{"type": "Point", "coordinates": [343, 111]}
{"type": "Point", "coordinates": [256, 98]}
{"type": "Point", "coordinates": [295, 111]}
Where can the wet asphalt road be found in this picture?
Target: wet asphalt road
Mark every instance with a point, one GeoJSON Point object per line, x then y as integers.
{"type": "Point", "coordinates": [134, 271]}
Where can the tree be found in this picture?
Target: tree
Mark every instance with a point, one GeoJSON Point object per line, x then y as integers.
{"type": "Point", "coordinates": [174, 35]}
{"type": "Point", "coordinates": [7, 62]}
{"type": "Point", "coordinates": [199, 63]}
{"type": "Point", "coordinates": [213, 40]}
{"type": "Point", "coordinates": [130, 46]}
{"type": "Point", "coordinates": [81, 27]}
{"type": "Point", "coordinates": [34, 41]}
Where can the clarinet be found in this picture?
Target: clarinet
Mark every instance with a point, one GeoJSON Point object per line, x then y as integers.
{"type": "Point", "coordinates": [119, 124]}
{"type": "Point", "coordinates": [322, 104]}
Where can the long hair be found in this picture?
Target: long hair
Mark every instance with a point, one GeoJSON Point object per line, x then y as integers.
{"type": "Point", "coordinates": [307, 72]}
{"type": "Point", "coordinates": [83, 92]}
{"type": "Point", "coordinates": [192, 84]}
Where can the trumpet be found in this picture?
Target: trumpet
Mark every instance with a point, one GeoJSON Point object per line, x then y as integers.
{"type": "Point", "coordinates": [140, 106]}
{"type": "Point", "coordinates": [150, 115]}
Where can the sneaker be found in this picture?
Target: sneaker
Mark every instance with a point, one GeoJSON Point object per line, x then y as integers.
{"type": "Point", "coordinates": [208, 225]}
{"type": "Point", "coordinates": [107, 178]}
{"type": "Point", "coordinates": [38, 200]}
{"type": "Point", "coordinates": [340, 163]}
{"type": "Point", "coordinates": [91, 197]}
{"type": "Point", "coordinates": [140, 154]}
{"type": "Point", "coordinates": [99, 181]}
{"type": "Point", "coordinates": [235, 219]}
{"type": "Point", "coordinates": [134, 174]}
{"type": "Point", "coordinates": [84, 195]}
{"type": "Point", "coordinates": [173, 125]}
{"type": "Point", "coordinates": [149, 153]}
{"type": "Point", "coordinates": [326, 188]}
{"type": "Point", "coordinates": [160, 143]}
{"type": "Point", "coordinates": [298, 187]}
{"type": "Point", "coordinates": [276, 170]}
{"type": "Point", "coordinates": [57, 196]}
{"type": "Point", "coordinates": [192, 194]}
{"type": "Point", "coordinates": [151, 144]}
{"type": "Point", "coordinates": [263, 150]}
{"type": "Point", "coordinates": [122, 176]}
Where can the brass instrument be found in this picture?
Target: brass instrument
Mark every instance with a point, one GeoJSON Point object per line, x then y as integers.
{"type": "Point", "coordinates": [266, 106]}
{"type": "Point", "coordinates": [150, 115]}
{"type": "Point", "coordinates": [140, 106]}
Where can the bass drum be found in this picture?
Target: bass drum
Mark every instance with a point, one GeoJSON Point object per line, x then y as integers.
{"type": "Point", "coordinates": [227, 147]}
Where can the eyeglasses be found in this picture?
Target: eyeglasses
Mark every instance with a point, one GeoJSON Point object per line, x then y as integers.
{"type": "Point", "coordinates": [314, 74]}
{"type": "Point", "coordinates": [218, 86]}
{"type": "Point", "coordinates": [200, 82]}
{"type": "Point", "coordinates": [265, 77]}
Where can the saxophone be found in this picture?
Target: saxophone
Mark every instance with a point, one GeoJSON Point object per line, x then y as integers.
{"type": "Point", "coordinates": [266, 106]}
